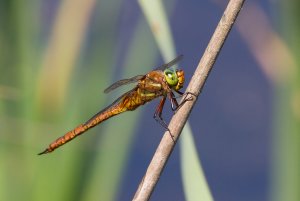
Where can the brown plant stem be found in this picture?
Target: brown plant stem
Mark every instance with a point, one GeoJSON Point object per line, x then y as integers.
{"type": "Point", "coordinates": [178, 121]}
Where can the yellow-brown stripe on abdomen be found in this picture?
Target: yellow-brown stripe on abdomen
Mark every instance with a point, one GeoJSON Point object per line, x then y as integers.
{"type": "Point", "coordinates": [104, 116]}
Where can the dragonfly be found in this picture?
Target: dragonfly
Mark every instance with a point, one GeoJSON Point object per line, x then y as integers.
{"type": "Point", "coordinates": [160, 82]}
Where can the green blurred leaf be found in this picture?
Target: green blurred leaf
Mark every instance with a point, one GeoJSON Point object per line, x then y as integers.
{"type": "Point", "coordinates": [195, 185]}
{"type": "Point", "coordinates": [286, 118]}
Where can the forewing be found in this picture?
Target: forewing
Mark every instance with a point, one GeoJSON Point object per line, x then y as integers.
{"type": "Point", "coordinates": [169, 64]}
{"type": "Point", "coordinates": [123, 82]}
{"type": "Point", "coordinates": [111, 105]}
{"type": "Point", "coordinates": [138, 77]}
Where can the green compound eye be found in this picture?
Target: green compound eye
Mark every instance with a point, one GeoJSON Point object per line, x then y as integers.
{"type": "Point", "coordinates": [171, 77]}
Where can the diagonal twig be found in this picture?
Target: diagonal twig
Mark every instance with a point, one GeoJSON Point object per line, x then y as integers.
{"type": "Point", "coordinates": [178, 121]}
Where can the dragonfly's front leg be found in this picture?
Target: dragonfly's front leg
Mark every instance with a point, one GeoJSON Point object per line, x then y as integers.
{"type": "Point", "coordinates": [174, 103]}
{"type": "Point", "coordinates": [185, 99]}
{"type": "Point", "coordinates": [158, 116]}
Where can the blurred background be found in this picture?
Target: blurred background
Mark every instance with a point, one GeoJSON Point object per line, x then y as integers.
{"type": "Point", "coordinates": [57, 57]}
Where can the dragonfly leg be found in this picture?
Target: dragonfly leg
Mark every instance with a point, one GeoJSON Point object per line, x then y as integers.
{"type": "Point", "coordinates": [174, 103]}
{"type": "Point", "coordinates": [185, 99]}
{"type": "Point", "coordinates": [192, 96]}
{"type": "Point", "coordinates": [158, 117]}
{"type": "Point", "coordinates": [180, 93]}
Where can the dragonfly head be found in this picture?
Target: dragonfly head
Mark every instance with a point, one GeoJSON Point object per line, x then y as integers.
{"type": "Point", "coordinates": [174, 78]}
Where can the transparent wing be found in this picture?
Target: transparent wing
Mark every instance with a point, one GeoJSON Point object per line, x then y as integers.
{"type": "Point", "coordinates": [138, 77]}
{"type": "Point", "coordinates": [169, 64]}
{"type": "Point", "coordinates": [111, 105]}
{"type": "Point", "coordinates": [123, 82]}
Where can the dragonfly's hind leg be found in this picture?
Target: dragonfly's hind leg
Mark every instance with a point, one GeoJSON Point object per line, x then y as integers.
{"type": "Point", "coordinates": [158, 116]}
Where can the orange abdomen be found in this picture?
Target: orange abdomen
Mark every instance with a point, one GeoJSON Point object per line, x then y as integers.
{"type": "Point", "coordinates": [129, 102]}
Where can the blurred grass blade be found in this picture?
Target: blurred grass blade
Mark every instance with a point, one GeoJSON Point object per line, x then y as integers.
{"type": "Point", "coordinates": [62, 51]}
{"type": "Point", "coordinates": [286, 148]}
{"type": "Point", "coordinates": [158, 22]}
{"type": "Point", "coordinates": [157, 19]}
{"type": "Point", "coordinates": [58, 63]}
{"type": "Point", "coordinates": [196, 187]}
{"type": "Point", "coordinates": [281, 68]}
{"type": "Point", "coordinates": [18, 54]}
{"type": "Point", "coordinates": [273, 55]}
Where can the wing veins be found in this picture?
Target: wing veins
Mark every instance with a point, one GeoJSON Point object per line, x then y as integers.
{"type": "Point", "coordinates": [171, 63]}
{"type": "Point", "coordinates": [123, 82]}
{"type": "Point", "coordinates": [109, 106]}
{"type": "Point", "coordinates": [138, 77]}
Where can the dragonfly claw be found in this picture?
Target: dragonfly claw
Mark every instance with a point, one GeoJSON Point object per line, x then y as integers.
{"type": "Point", "coordinates": [172, 136]}
{"type": "Point", "coordinates": [186, 98]}
{"type": "Point", "coordinates": [189, 98]}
